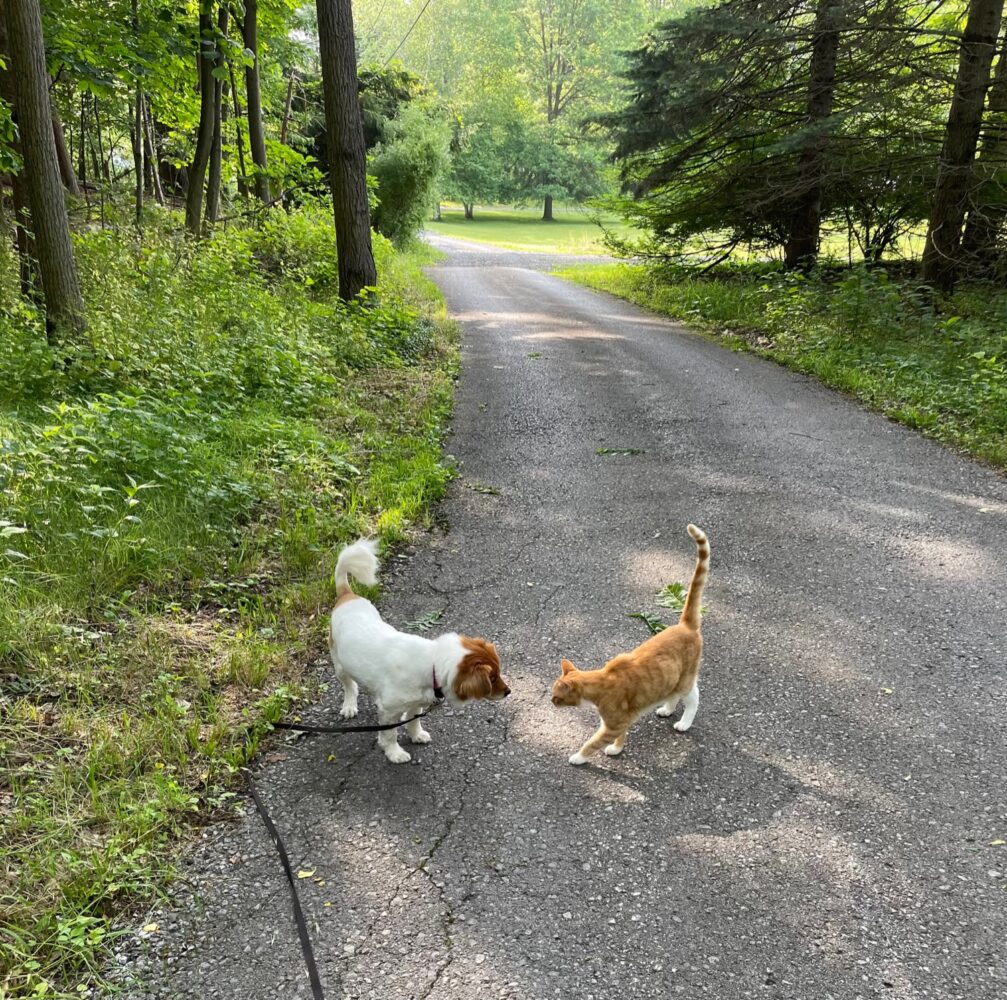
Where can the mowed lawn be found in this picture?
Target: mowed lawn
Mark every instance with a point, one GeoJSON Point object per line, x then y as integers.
{"type": "Point", "coordinates": [574, 230]}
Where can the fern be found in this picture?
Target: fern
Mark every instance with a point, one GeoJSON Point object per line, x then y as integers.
{"type": "Point", "coordinates": [426, 622]}
{"type": "Point", "coordinates": [651, 621]}
{"type": "Point", "coordinates": [673, 595]}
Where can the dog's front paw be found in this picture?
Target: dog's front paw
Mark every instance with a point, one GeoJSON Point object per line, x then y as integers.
{"type": "Point", "coordinates": [578, 758]}
{"type": "Point", "coordinates": [681, 725]}
{"type": "Point", "coordinates": [420, 737]}
{"type": "Point", "coordinates": [612, 750]}
{"type": "Point", "coordinates": [396, 755]}
{"type": "Point", "coordinates": [348, 712]}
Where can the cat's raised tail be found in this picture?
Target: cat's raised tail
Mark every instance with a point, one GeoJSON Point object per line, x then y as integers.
{"type": "Point", "coordinates": [691, 612]}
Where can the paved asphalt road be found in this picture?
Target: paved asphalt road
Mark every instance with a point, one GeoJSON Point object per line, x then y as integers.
{"type": "Point", "coordinates": [825, 828]}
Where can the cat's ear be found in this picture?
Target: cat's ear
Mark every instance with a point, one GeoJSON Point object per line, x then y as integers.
{"type": "Point", "coordinates": [567, 667]}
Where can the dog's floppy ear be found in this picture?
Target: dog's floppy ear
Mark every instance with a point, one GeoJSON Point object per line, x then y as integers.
{"type": "Point", "coordinates": [567, 667]}
{"type": "Point", "coordinates": [473, 681]}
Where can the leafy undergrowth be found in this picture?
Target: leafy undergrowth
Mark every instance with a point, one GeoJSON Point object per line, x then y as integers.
{"type": "Point", "coordinates": [174, 491]}
{"type": "Point", "coordinates": [939, 366]}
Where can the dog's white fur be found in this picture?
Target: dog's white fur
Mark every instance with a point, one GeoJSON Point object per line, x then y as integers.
{"type": "Point", "coordinates": [395, 668]}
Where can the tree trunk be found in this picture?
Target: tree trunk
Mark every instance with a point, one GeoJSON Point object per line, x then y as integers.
{"type": "Point", "coordinates": [152, 153]}
{"type": "Point", "coordinates": [943, 246]}
{"type": "Point", "coordinates": [148, 156]}
{"type": "Point", "coordinates": [136, 132]}
{"type": "Point", "coordinates": [213, 177]}
{"type": "Point", "coordinates": [63, 157]}
{"type": "Point", "coordinates": [470, 209]}
{"type": "Point", "coordinates": [256, 134]}
{"type": "Point", "coordinates": [988, 208]}
{"type": "Point", "coordinates": [801, 247]}
{"type": "Point", "coordinates": [22, 223]}
{"type": "Point", "coordinates": [81, 159]}
{"type": "Point", "coordinates": [104, 170]}
{"type": "Point", "coordinates": [204, 136]}
{"type": "Point", "coordinates": [285, 126]}
{"type": "Point", "coordinates": [64, 306]}
{"type": "Point", "coordinates": [347, 154]}
{"type": "Point", "coordinates": [242, 175]}
{"type": "Point", "coordinates": [547, 209]}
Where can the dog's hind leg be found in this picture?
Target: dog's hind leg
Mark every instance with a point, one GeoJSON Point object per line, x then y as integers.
{"type": "Point", "coordinates": [350, 689]}
{"type": "Point", "coordinates": [388, 740]}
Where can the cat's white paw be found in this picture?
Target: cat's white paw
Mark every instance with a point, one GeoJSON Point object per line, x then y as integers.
{"type": "Point", "coordinates": [421, 737]}
{"type": "Point", "coordinates": [578, 758]}
{"type": "Point", "coordinates": [612, 750]}
{"type": "Point", "coordinates": [397, 755]}
{"type": "Point", "coordinates": [682, 725]}
{"type": "Point", "coordinates": [664, 712]}
{"type": "Point", "coordinates": [348, 711]}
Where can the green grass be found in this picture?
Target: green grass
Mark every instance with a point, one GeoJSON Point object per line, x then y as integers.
{"type": "Point", "coordinates": [573, 230]}
{"type": "Point", "coordinates": [174, 492]}
{"type": "Point", "coordinates": [938, 366]}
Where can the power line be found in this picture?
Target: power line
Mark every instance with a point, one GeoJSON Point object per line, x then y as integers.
{"type": "Point", "coordinates": [408, 33]}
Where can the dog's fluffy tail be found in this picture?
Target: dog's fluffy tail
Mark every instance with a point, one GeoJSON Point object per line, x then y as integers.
{"type": "Point", "coordinates": [358, 560]}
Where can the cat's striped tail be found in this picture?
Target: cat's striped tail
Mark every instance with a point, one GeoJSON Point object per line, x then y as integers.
{"type": "Point", "coordinates": [693, 603]}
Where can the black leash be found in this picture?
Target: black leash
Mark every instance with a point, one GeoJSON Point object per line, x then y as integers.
{"type": "Point", "coordinates": [302, 927]}
{"type": "Point", "coordinates": [274, 834]}
{"type": "Point", "coordinates": [302, 727]}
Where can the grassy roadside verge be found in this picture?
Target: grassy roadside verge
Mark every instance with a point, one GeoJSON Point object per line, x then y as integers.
{"type": "Point", "coordinates": [938, 367]}
{"type": "Point", "coordinates": [572, 231]}
{"type": "Point", "coordinates": [173, 493]}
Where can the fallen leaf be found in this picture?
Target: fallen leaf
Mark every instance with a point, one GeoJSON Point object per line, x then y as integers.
{"type": "Point", "coordinates": [150, 928]}
{"type": "Point", "coordinates": [887, 691]}
{"type": "Point", "coordinates": [997, 843]}
{"type": "Point", "coordinates": [304, 873]}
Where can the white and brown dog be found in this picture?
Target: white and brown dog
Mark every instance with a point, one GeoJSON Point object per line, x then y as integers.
{"type": "Point", "coordinates": [403, 673]}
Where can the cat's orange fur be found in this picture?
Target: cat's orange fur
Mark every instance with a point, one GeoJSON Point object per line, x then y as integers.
{"type": "Point", "coordinates": [658, 672]}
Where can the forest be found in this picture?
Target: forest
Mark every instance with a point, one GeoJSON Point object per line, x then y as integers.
{"type": "Point", "coordinates": [220, 358]}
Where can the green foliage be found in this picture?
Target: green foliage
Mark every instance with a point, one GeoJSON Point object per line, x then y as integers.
{"type": "Point", "coordinates": [174, 490]}
{"type": "Point", "coordinates": [408, 165]}
{"type": "Point", "coordinates": [426, 622]}
{"type": "Point", "coordinates": [937, 365]}
{"type": "Point", "coordinates": [653, 623]}
{"type": "Point", "coordinates": [714, 131]}
{"type": "Point", "coordinates": [672, 595]}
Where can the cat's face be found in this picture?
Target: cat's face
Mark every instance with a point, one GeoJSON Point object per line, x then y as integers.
{"type": "Point", "coordinates": [565, 689]}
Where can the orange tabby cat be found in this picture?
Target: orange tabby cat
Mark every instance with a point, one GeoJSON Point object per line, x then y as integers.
{"type": "Point", "coordinates": [658, 672]}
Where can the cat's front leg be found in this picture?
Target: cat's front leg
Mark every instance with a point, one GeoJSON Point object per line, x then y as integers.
{"type": "Point", "coordinates": [615, 748]}
{"type": "Point", "coordinates": [593, 745]}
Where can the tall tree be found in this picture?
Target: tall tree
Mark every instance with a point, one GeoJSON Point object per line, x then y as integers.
{"type": "Point", "coordinates": [253, 99]}
{"type": "Point", "coordinates": [564, 64]}
{"type": "Point", "coordinates": [942, 250]}
{"type": "Point", "coordinates": [63, 157]}
{"type": "Point", "coordinates": [19, 191]}
{"type": "Point", "coordinates": [216, 146]}
{"type": "Point", "coordinates": [988, 204]}
{"type": "Point", "coordinates": [204, 136]}
{"type": "Point", "coordinates": [801, 247]}
{"type": "Point", "coordinates": [347, 152]}
{"type": "Point", "coordinates": [137, 130]}
{"type": "Point", "coordinates": [64, 307]}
